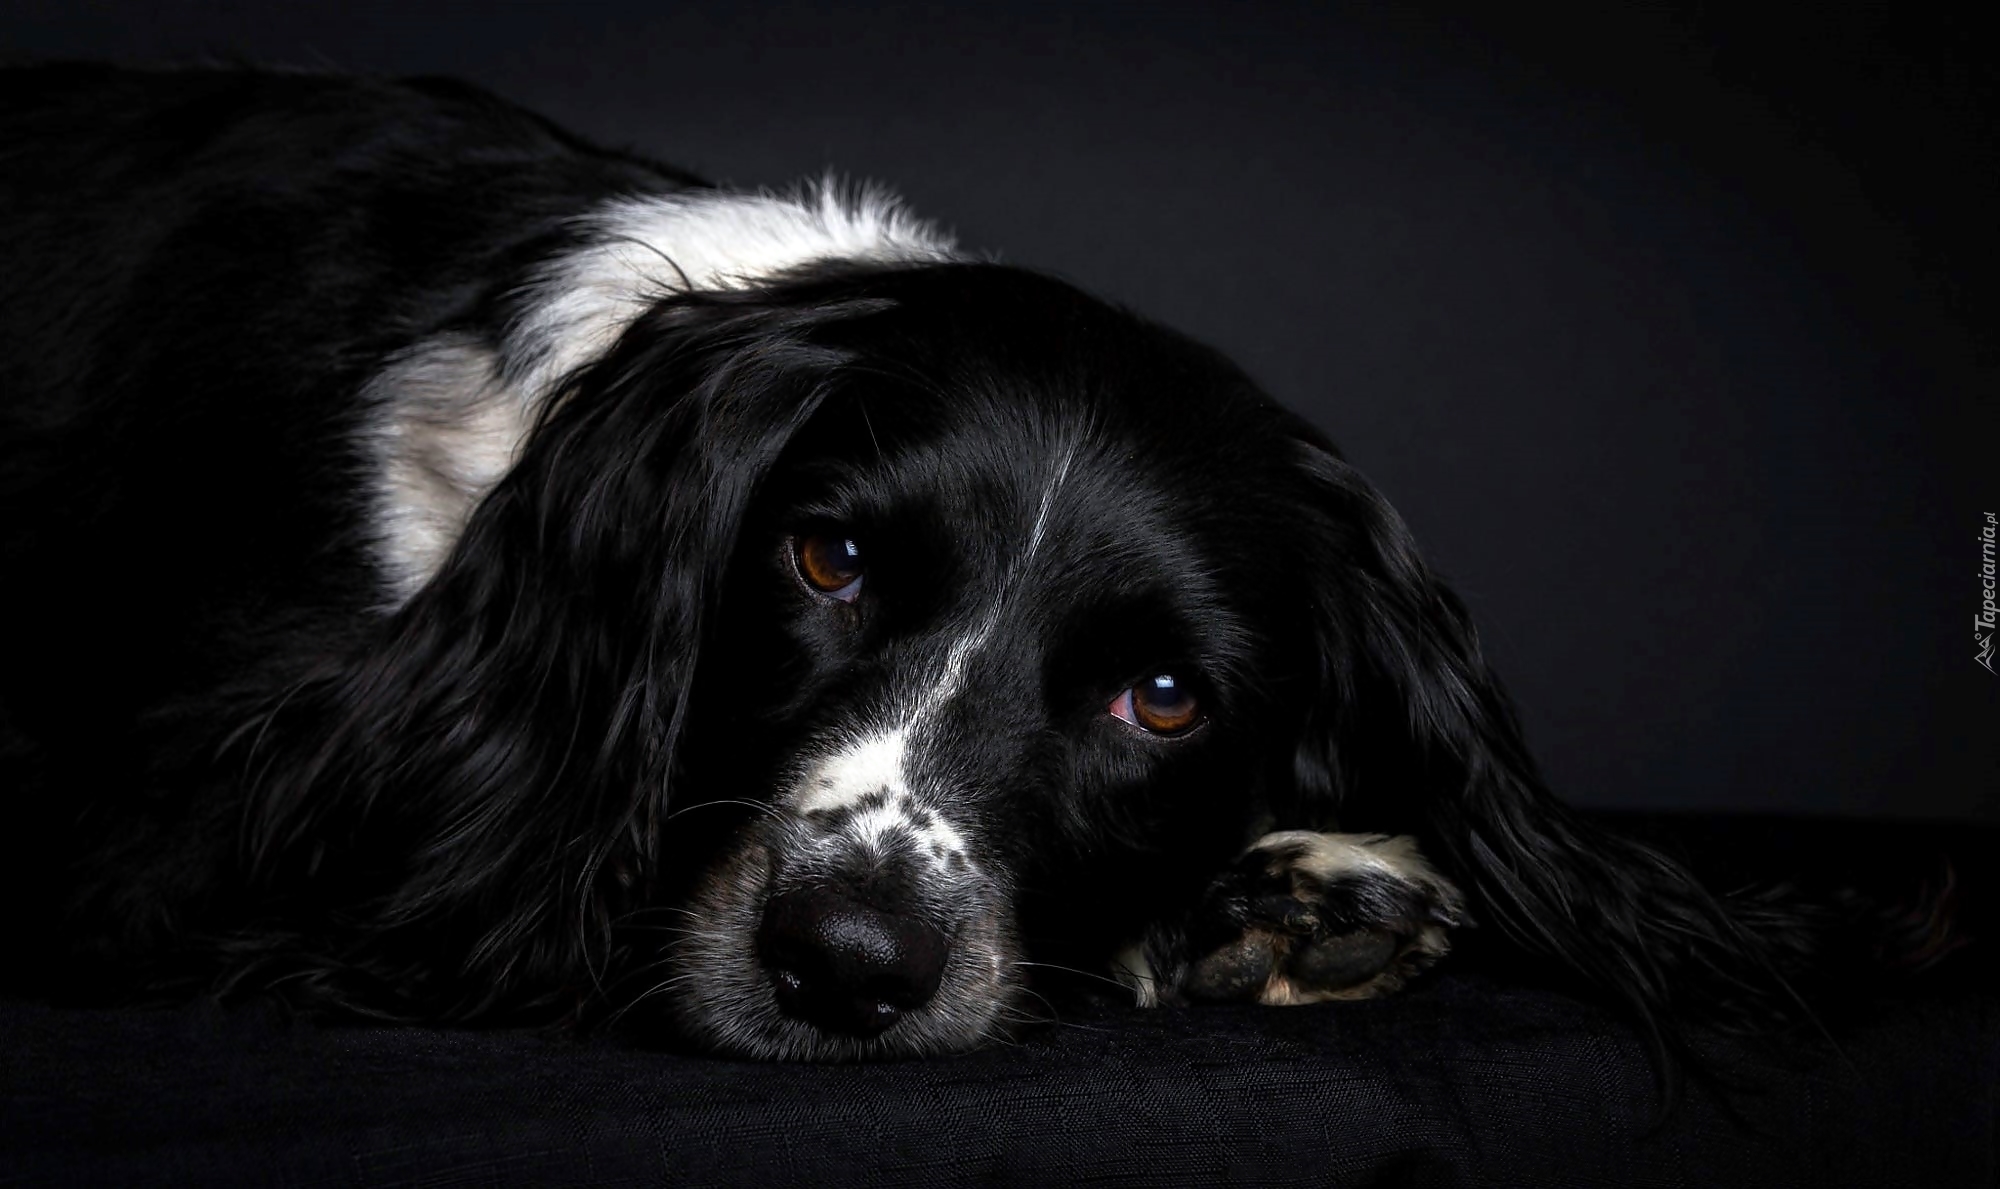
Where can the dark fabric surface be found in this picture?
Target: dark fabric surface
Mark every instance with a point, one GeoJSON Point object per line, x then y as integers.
{"type": "Point", "coordinates": [1461, 1081]}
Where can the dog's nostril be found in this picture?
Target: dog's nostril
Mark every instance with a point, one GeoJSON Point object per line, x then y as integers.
{"type": "Point", "coordinates": [848, 966]}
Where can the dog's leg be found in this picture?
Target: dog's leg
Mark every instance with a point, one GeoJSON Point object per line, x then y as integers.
{"type": "Point", "coordinates": [1303, 918]}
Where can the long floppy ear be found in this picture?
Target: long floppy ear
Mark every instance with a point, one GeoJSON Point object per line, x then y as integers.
{"type": "Point", "coordinates": [1411, 733]}
{"type": "Point", "coordinates": [448, 801]}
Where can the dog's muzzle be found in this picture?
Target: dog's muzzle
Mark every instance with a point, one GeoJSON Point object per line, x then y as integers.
{"type": "Point", "coordinates": [850, 921]}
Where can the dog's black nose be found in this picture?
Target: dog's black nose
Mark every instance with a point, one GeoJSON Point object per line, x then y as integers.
{"type": "Point", "coordinates": [847, 966]}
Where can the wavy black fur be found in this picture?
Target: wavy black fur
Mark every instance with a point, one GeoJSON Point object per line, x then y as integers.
{"type": "Point", "coordinates": [225, 763]}
{"type": "Point", "coordinates": [1412, 706]}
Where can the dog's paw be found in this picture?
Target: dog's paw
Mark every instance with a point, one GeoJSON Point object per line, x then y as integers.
{"type": "Point", "coordinates": [1305, 917]}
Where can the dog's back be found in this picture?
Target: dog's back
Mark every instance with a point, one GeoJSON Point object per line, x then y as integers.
{"type": "Point", "coordinates": [204, 267]}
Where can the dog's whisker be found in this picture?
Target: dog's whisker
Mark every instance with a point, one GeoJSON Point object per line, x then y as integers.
{"type": "Point", "coordinates": [765, 810]}
{"type": "Point", "coordinates": [649, 910]}
{"type": "Point", "coordinates": [1102, 978]}
{"type": "Point", "coordinates": [658, 988]}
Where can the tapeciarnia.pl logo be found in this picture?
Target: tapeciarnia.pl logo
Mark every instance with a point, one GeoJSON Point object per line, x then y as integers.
{"type": "Point", "coordinates": [1982, 623]}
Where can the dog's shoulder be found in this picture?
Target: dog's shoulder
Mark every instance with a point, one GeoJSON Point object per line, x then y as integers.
{"type": "Point", "coordinates": [296, 172]}
{"type": "Point", "coordinates": [304, 120]}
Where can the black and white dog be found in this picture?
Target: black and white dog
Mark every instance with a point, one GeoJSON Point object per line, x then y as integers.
{"type": "Point", "coordinates": [455, 572]}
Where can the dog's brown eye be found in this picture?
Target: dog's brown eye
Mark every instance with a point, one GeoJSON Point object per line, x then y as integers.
{"type": "Point", "coordinates": [1161, 704]}
{"type": "Point", "coordinates": [831, 564]}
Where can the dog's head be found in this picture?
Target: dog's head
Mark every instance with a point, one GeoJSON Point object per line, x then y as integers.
{"type": "Point", "coordinates": [841, 649]}
{"type": "Point", "coordinates": [987, 663]}
{"type": "Point", "coordinates": [991, 660]}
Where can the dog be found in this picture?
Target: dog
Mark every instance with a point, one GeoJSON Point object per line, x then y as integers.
{"type": "Point", "coordinates": [459, 573]}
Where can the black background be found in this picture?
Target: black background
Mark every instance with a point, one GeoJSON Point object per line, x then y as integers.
{"type": "Point", "coordinates": [1669, 329]}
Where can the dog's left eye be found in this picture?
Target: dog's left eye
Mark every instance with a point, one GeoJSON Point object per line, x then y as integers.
{"type": "Point", "coordinates": [1161, 705]}
{"type": "Point", "coordinates": [831, 564]}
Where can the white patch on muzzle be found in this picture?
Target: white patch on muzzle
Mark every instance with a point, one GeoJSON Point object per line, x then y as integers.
{"type": "Point", "coordinates": [876, 765]}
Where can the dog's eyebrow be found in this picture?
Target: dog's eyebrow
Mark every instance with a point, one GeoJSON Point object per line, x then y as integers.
{"type": "Point", "coordinates": [962, 648]}
{"type": "Point", "coordinates": [1049, 500]}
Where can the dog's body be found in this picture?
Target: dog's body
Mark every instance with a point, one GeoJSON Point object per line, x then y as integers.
{"type": "Point", "coordinates": [456, 572]}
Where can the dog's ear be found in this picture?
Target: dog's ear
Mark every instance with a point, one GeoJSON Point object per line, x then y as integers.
{"type": "Point", "coordinates": [448, 799]}
{"type": "Point", "coordinates": [1407, 731]}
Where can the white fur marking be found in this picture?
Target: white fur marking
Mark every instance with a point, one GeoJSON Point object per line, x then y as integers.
{"type": "Point", "coordinates": [1131, 968]}
{"type": "Point", "coordinates": [1329, 856]}
{"type": "Point", "coordinates": [450, 429]}
{"type": "Point", "coordinates": [875, 764]}
{"type": "Point", "coordinates": [962, 649]}
{"type": "Point", "coordinates": [645, 249]}
{"type": "Point", "coordinates": [1333, 858]}
{"type": "Point", "coordinates": [1048, 502]}
{"type": "Point", "coordinates": [940, 833]}
{"type": "Point", "coordinates": [871, 827]}
{"type": "Point", "coordinates": [453, 412]}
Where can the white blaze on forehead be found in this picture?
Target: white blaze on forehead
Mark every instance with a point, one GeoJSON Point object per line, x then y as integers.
{"type": "Point", "coordinates": [1048, 501]}
{"type": "Point", "coordinates": [878, 761]}
{"type": "Point", "coordinates": [952, 676]}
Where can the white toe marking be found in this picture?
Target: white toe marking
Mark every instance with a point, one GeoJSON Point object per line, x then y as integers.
{"type": "Point", "coordinates": [1330, 856]}
{"type": "Point", "coordinates": [1131, 968]}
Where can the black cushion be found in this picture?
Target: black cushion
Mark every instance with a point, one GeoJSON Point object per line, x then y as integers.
{"type": "Point", "coordinates": [1461, 1080]}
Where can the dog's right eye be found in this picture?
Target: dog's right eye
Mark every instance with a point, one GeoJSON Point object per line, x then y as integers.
{"type": "Point", "coordinates": [831, 564]}
{"type": "Point", "coordinates": [1161, 705]}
